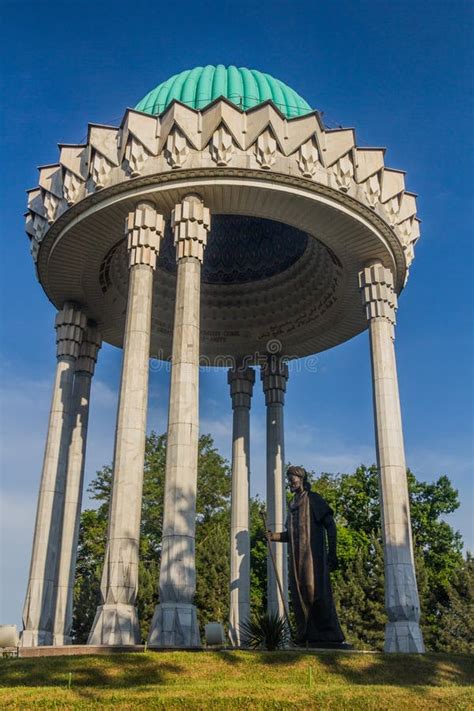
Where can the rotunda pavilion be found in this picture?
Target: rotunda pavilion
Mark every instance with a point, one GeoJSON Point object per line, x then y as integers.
{"type": "Point", "coordinates": [220, 222]}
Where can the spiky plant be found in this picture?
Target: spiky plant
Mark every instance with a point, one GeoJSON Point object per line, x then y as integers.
{"type": "Point", "coordinates": [266, 630]}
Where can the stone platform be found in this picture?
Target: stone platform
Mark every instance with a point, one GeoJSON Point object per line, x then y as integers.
{"type": "Point", "coordinates": [75, 650]}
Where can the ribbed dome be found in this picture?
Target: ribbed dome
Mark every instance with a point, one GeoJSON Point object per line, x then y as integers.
{"type": "Point", "coordinates": [246, 88]}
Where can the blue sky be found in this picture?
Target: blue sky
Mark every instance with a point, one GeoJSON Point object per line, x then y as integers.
{"type": "Point", "coordinates": [398, 72]}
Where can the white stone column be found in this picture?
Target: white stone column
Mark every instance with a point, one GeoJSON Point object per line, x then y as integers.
{"type": "Point", "coordinates": [84, 370]}
{"type": "Point", "coordinates": [241, 381]}
{"type": "Point", "coordinates": [116, 621]}
{"type": "Point", "coordinates": [38, 612]}
{"type": "Point", "coordinates": [174, 623]}
{"type": "Point", "coordinates": [402, 632]}
{"type": "Point", "coordinates": [274, 376]}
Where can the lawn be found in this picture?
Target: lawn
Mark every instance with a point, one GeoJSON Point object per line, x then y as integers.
{"type": "Point", "coordinates": [239, 680]}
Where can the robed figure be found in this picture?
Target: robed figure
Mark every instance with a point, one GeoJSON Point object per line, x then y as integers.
{"type": "Point", "coordinates": [311, 537]}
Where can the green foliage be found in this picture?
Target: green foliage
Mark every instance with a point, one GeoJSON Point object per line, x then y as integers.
{"type": "Point", "coordinates": [359, 590]}
{"type": "Point", "coordinates": [90, 556]}
{"type": "Point", "coordinates": [455, 631]}
{"type": "Point", "coordinates": [258, 558]}
{"type": "Point", "coordinates": [445, 578]}
{"type": "Point", "coordinates": [212, 534]}
{"type": "Point", "coordinates": [266, 630]}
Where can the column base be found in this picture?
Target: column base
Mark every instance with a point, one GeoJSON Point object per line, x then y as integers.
{"type": "Point", "coordinates": [174, 624]}
{"type": "Point", "coordinates": [36, 638]}
{"type": "Point", "coordinates": [61, 640]}
{"type": "Point", "coordinates": [404, 637]}
{"type": "Point", "coordinates": [115, 624]}
{"type": "Point", "coordinates": [238, 615]}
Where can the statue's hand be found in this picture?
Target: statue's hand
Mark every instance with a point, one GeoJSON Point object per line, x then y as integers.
{"type": "Point", "coordinates": [333, 563]}
{"type": "Point", "coordinates": [271, 536]}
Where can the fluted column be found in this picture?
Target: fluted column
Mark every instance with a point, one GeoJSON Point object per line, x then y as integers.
{"type": "Point", "coordinates": [174, 623]}
{"type": "Point", "coordinates": [274, 377]}
{"type": "Point", "coordinates": [402, 632]}
{"type": "Point", "coordinates": [38, 612]}
{"type": "Point", "coordinates": [116, 620]}
{"type": "Point", "coordinates": [241, 381]}
{"type": "Point", "coordinates": [84, 370]}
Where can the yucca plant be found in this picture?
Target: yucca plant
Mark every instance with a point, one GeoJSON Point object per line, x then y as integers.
{"type": "Point", "coordinates": [266, 630]}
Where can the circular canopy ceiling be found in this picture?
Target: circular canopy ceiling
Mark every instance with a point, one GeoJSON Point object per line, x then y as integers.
{"type": "Point", "coordinates": [245, 88]}
{"type": "Point", "coordinates": [241, 249]}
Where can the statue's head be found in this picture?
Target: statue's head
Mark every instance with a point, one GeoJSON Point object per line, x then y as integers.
{"type": "Point", "coordinates": [298, 479]}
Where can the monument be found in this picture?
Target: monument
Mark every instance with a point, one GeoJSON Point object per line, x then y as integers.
{"type": "Point", "coordinates": [220, 222]}
{"type": "Point", "coordinates": [311, 535]}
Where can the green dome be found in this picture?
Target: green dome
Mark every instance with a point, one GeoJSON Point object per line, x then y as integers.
{"type": "Point", "coordinates": [246, 88]}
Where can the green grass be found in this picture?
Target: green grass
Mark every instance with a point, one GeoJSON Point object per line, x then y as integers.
{"type": "Point", "coordinates": [239, 680]}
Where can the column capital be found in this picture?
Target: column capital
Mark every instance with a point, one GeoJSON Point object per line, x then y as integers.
{"type": "Point", "coordinates": [89, 350]}
{"type": "Point", "coordinates": [70, 323]}
{"type": "Point", "coordinates": [191, 222]}
{"type": "Point", "coordinates": [144, 228]}
{"type": "Point", "coordinates": [377, 292]}
{"type": "Point", "coordinates": [241, 381]}
{"type": "Point", "coordinates": [274, 375]}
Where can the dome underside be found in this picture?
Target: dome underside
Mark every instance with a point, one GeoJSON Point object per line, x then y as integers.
{"type": "Point", "coordinates": [242, 249]}
{"type": "Point", "coordinates": [239, 316]}
{"type": "Point", "coordinates": [245, 88]}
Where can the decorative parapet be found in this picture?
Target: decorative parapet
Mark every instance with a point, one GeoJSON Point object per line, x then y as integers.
{"type": "Point", "coordinates": [266, 150]}
{"type": "Point", "coordinates": [221, 146]}
{"type": "Point", "coordinates": [343, 171]}
{"type": "Point", "coordinates": [89, 350]}
{"type": "Point", "coordinates": [73, 162]}
{"type": "Point", "coordinates": [409, 233]}
{"type": "Point", "coordinates": [372, 190]}
{"type": "Point", "coordinates": [51, 186]}
{"type": "Point", "coordinates": [138, 141]}
{"type": "Point", "coordinates": [36, 223]}
{"type": "Point", "coordinates": [308, 158]}
{"type": "Point", "coordinates": [241, 381]}
{"type": "Point", "coordinates": [274, 376]}
{"type": "Point", "coordinates": [261, 138]}
{"type": "Point", "coordinates": [191, 222]}
{"type": "Point", "coordinates": [144, 228]}
{"type": "Point", "coordinates": [378, 295]}
{"type": "Point", "coordinates": [103, 154]}
{"type": "Point", "coordinates": [177, 149]}
{"type": "Point", "coordinates": [70, 324]}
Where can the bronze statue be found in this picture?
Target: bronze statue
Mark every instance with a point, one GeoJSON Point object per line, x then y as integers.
{"type": "Point", "coordinates": [311, 538]}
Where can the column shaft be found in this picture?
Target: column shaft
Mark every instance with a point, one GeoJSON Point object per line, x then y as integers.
{"type": "Point", "coordinates": [116, 621]}
{"type": "Point", "coordinates": [274, 377]}
{"type": "Point", "coordinates": [38, 611]}
{"type": "Point", "coordinates": [276, 504]}
{"type": "Point", "coordinates": [241, 382]}
{"type": "Point", "coordinates": [402, 632]}
{"type": "Point", "coordinates": [74, 486]}
{"type": "Point", "coordinates": [174, 622]}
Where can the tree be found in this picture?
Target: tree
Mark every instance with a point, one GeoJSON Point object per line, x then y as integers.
{"type": "Point", "coordinates": [90, 557]}
{"type": "Point", "coordinates": [456, 615]}
{"type": "Point", "coordinates": [88, 570]}
{"type": "Point", "coordinates": [258, 558]}
{"type": "Point", "coordinates": [212, 534]}
{"type": "Point", "coordinates": [359, 596]}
